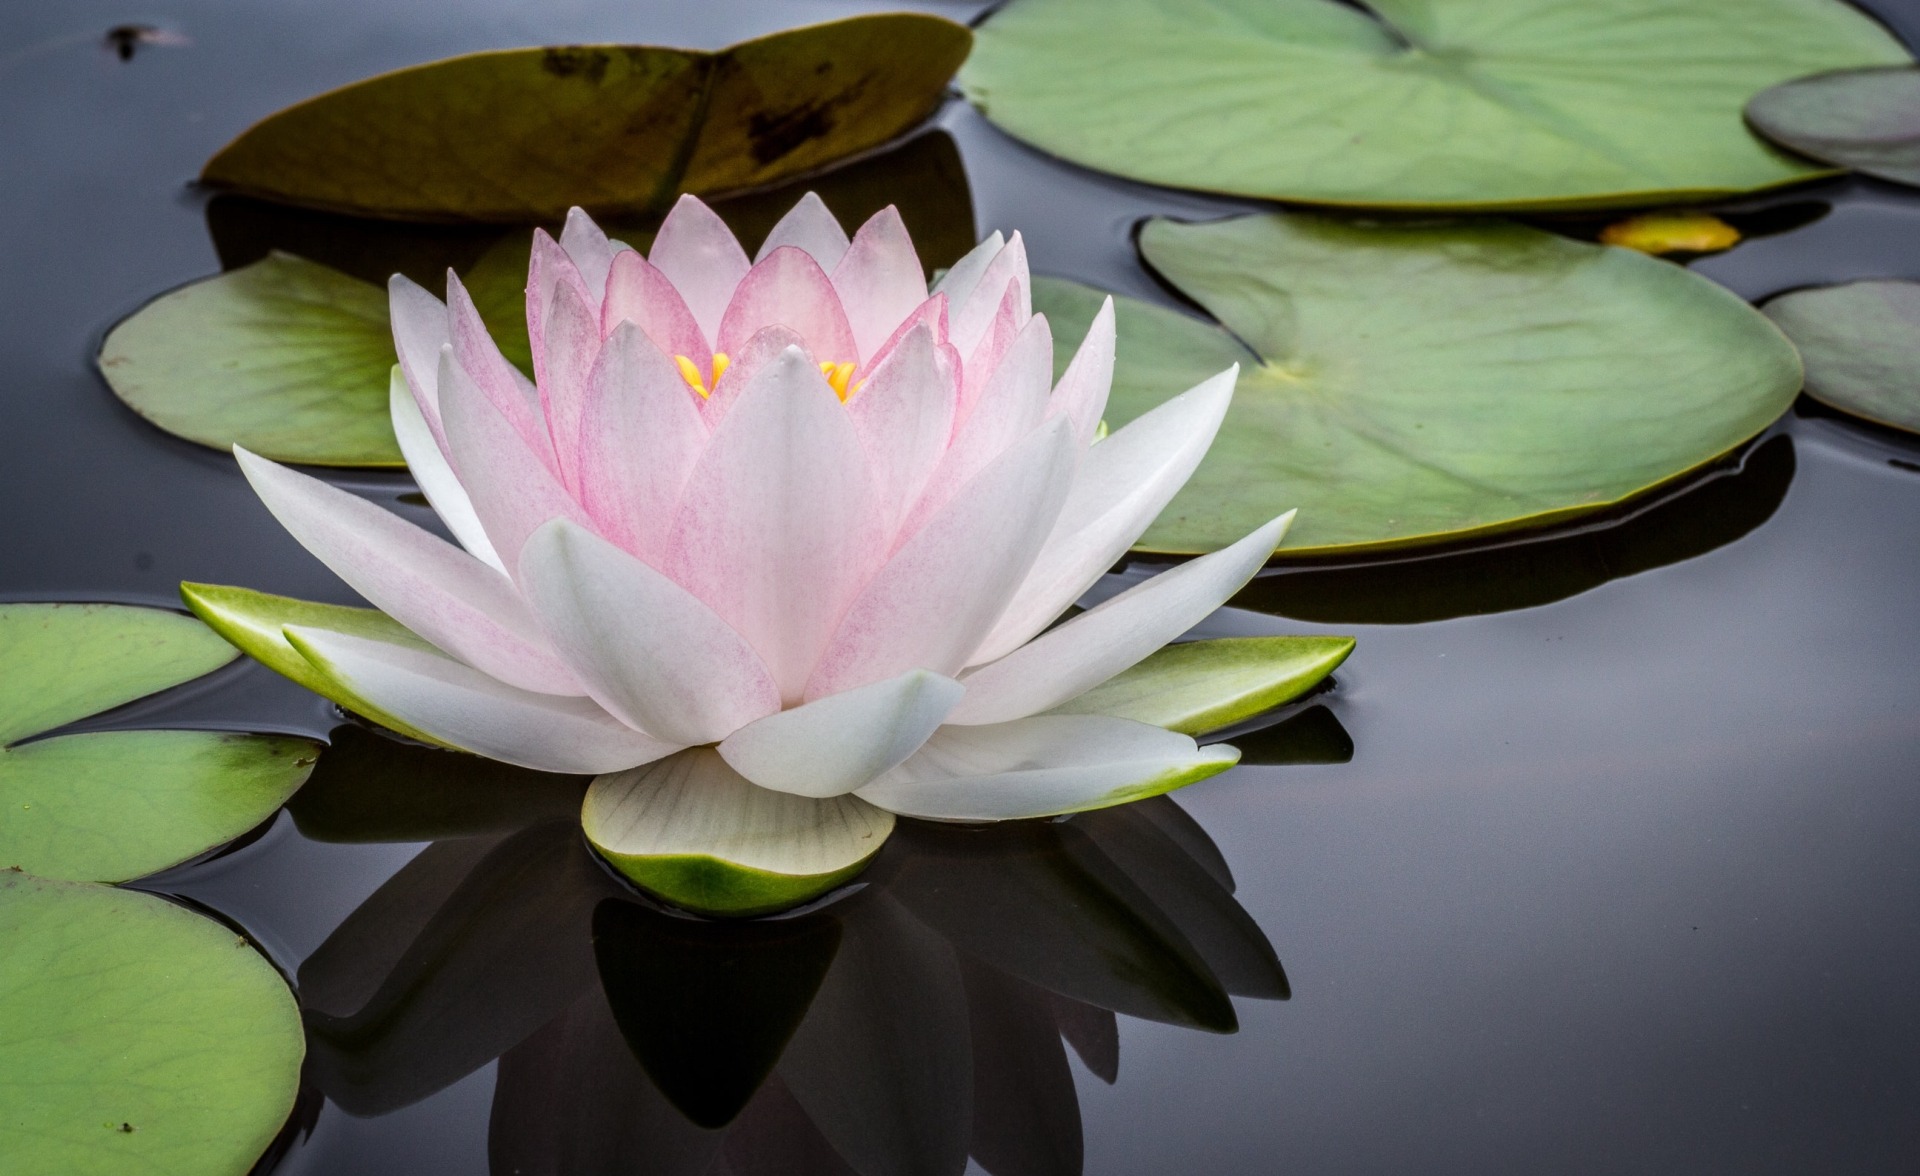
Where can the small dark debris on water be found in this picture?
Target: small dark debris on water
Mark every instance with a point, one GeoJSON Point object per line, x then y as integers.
{"type": "Point", "coordinates": [126, 1129]}
{"type": "Point", "coordinates": [128, 39]}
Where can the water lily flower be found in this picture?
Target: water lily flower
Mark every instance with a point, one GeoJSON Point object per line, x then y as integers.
{"type": "Point", "coordinates": [797, 513]}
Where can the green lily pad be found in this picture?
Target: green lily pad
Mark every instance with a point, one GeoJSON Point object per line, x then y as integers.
{"type": "Point", "coordinates": [1409, 384]}
{"type": "Point", "coordinates": [255, 623]}
{"type": "Point", "coordinates": [136, 1036]}
{"type": "Point", "coordinates": [1414, 103]}
{"type": "Point", "coordinates": [63, 662]}
{"type": "Point", "coordinates": [694, 832]}
{"type": "Point", "coordinates": [523, 134]}
{"type": "Point", "coordinates": [1864, 119]}
{"type": "Point", "coordinates": [283, 356]}
{"type": "Point", "coordinates": [1861, 345]}
{"type": "Point", "coordinates": [109, 806]}
{"type": "Point", "coordinates": [1200, 686]}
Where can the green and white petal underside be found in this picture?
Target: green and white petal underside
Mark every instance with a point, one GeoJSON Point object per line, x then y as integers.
{"type": "Point", "coordinates": [1041, 767]}
{"type": "Point", "coordinates": [1202, 686]}
{"type": "Point", "coordinates": [696, 833]}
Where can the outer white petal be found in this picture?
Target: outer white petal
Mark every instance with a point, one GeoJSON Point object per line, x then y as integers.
{"type": "Point", "coordinates": [1081, 394]}
{"type": "Point", "coordinates": [1099, 643]}
{"type": "Point", "coordinates": [427, 584]}
{"type": "Point", "coordinates": [430, 469]}
{"type": "Point", "coordinates": [467, 709]}
{"type": "Point", "coordinates": [647, 649]}
{"type": "Point", "coordinates": [835, 744]}
{"type": "Point", "coordinates": [1006, 272]}
{"type": "Point", "coordinates": [419, 332]}
{"type": "Point", "coordinates": [959, 281]}
{"type": "Point", "coordinates": [1042, 767]}
{"type": "Point", "coordinates": [1124, 484]}
{"type": "Point", "coordinates": [809, 225]}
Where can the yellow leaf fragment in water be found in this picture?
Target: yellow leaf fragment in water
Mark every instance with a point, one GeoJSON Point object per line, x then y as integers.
{"type": "Point", "coordinates": [1672, 232]}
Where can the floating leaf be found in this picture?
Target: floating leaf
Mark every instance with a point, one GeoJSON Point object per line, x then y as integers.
{"type": "Point", "coordinates": [1201, 686]}
{"type": "Point", "coordinates": [136, 1036]}
{"type": "Point", "coordinates": [1409, 384]}
{"type": "Point", "coordinates": [1708, 513]}
{"type": "Point", "coordinates": [109, 806]}
{"type": "Point", "coordinates": [1661, 233]}
{"type": "Point", "coordinates": [693, 831]}
{"type": "Point", "coordinates": [285, 357]}
{"type": "Point", "coordinates": [522, 134]}
{"type": "Point", "coordinates": [1420, 103]}
{"type": "Point", "coordinates": [1861, 345]}
{"type": "Point", "coordinates": [1864, 119]}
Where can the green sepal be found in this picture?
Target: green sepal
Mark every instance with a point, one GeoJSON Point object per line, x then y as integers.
{"type": "Point", "coordinates": [1201, 686]}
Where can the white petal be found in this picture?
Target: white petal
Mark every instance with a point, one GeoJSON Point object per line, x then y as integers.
{"type": "Point", "coordinates": [1042, 767]}
{"type": "Point", "coordinates": [835, 744]}
{"type": "Point", "coordinates": [1007, 269]}
{"type": "Point", "coordinates": [467, 709]}
{"type": "Point", "coordinates": [430, 469]}
{"type": "Point", "coordinates": [1081, 394]}
{"type": "Point", "coordinates": [419, 579]}
{"type": "Point", "coordinates": [646, 649]}
{"type": "Point", "coordinates": [1099, 643]}
{"type": "Point", "coordinates": [809, 225]}
{"type": "Point", "coordinates": [419, 332]}
{"type": "Point", "coordinates": [903, 413]}
{"type": "Point", "coordinates": [700, 256]}
{"type": "Point", "coordinates": [1124, 484]}
{"type": "Point", "coordinates": [959, 281]}
{"type": "Point", "coordinates": [880, 280]}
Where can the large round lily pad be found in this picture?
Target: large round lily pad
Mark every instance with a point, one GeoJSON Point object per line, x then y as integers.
{"type": "Point", "coordinates": [1861, 344]}
{"type": "Point", "coordinates": [135, 1036]}
{"type": "Point", "coordinates": [112, 805]}
{"type": "Point", "coordinates": [1864, 119]}
{"type": "Point", "coordinates": [1408, 384]}
{"type": "Point", "coordinates": [522, 134]}
{"type": "Point", "coordinates": [1456, 103]}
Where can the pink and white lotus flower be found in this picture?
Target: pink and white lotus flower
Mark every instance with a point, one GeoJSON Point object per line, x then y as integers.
{"type": "Point", "coordinates": [797, 511]}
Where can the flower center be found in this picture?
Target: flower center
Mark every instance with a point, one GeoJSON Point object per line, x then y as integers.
{"type": "Point", "coordinates": [837, 374]}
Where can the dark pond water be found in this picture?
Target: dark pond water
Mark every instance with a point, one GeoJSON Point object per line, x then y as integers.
{"type": "Point", "coordinates": [1602, 855]}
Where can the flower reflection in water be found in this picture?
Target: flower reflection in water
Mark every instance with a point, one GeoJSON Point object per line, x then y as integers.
{"type": "Point", "coordinates": [921, 1016]}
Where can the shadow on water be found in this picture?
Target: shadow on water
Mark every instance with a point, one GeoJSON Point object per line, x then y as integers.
{"type": "Point", "coordinates": [922, 1018]}
{"type": "Point", "coordinates": [1709, 511]}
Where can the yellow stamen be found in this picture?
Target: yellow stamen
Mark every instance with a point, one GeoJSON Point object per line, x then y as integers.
{"type": "Point", "coordinates": [690, 372]}
{"type": "Point", "coordinates": [838, 374]}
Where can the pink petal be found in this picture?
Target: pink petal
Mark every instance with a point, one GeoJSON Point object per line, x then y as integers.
{"type": "Point", "coordinates": [777, 527]}
{"type": "Point", "coordinates": [467, 709]}
{"type": "Point", "coordinates": [1071, 659]}
{"type": "Point", "coordinates": [940, 593]}
{"type": "Point", "coordinates": [766, 346]}
{"type": "Point", "coordinates": [551, 270]}
{"type": "Point", "coordinates": [699, 255]}
{"type": "Point", "coordinates": [640, 294]}
{"type": "Point", "coordinates": [1011, 405]}
{"type": "Point", "coordinates": [512, 394]}
{"type": "Point", "coordinates": [1081, 394]}
{"type": "Point", "coordinates": [648, 650]}
{"type": "Point", "coordinates": [809, 225]}
{"type": "Point", "coordinates": [639, 440]}
{"type": "Point", "coordinates": [836, 744]}
{"type": "Point", "coordinates": [591, 251]}
{"type": "Point", "coordinates": [572, 346]}
{"type": "Point", "coordinates": [903, 414]}
{"type": "Point", "coordinates": [419, 579]}
{"type": "Point", "coordinates": [789, 289]}
{"type": "Point", "coordinates": [1123, 485]}
{"type": "Point", "coordinates": [933, 314]}
{"type": "Point", "coordinates": [986, 355]}
{"type": "Point", "coordinates": [972, 316]}
{"type": "Point", "coordinates": [880, 280]}
{"type": "Point", "coordinates": [512, 489]}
